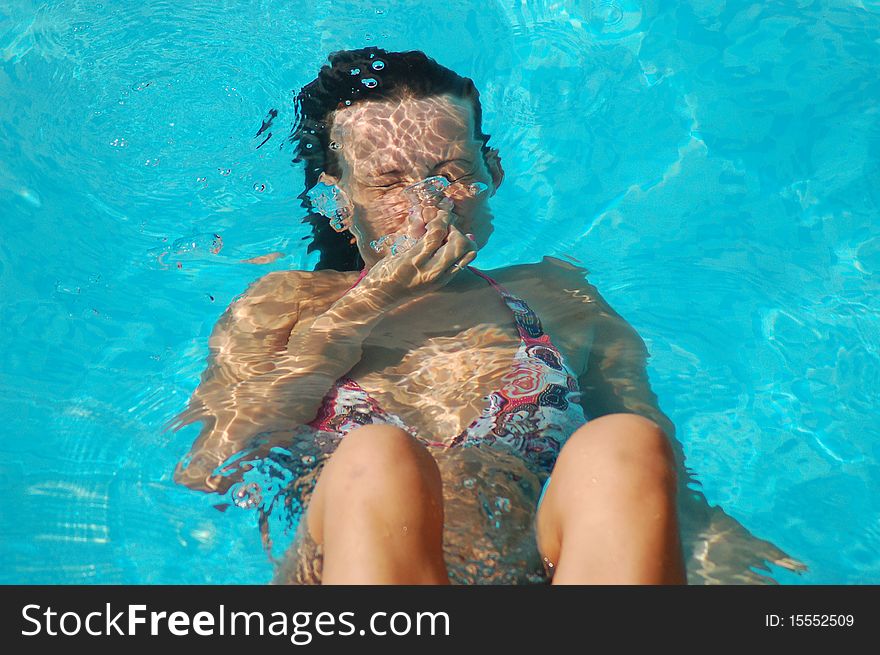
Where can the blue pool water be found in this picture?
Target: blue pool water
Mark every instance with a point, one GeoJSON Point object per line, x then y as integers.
{"type": "Point", "coordinates": [715, 165]}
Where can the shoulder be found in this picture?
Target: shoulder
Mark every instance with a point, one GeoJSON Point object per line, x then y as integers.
{"type": "Point", "coordinates": [295, 283]}
{"type": "Point", "coordinates": [561, 266]}
{"type": "Point", "coordinates": [569, 304]}
{"type": "Point", "coordinates": [556, 279]}
{"type": "Point", "coordinates": [279, 297]}
{"type": "Point", "coordinates": [564, 300]}
{"type": "Point", "coordinates": [547, 267]}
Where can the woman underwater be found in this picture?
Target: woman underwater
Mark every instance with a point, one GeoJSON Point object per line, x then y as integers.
{"type": "Point", "coordinates": [480, 426]}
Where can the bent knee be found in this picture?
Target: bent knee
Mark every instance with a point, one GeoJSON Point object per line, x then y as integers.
{"type": "Point", "coordinates": [381, 455]}
{"type": "Point", "coordinates": [622, 444]}
{"type": "Point", "coordinates": [374, 465]}
{"type": "Point", "coordinates": [377, 441]}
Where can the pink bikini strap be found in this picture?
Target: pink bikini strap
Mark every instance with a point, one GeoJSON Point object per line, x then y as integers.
{"type": "Point", "coordinates": [495, 285]}
{"type": "Point", "coordinates": [358, 281]}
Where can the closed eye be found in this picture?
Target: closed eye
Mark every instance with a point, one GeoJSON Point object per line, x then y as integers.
{"type": "Point", "coordinates": [452, 178]}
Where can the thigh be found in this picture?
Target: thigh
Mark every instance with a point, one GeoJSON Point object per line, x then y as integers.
{"type": "Point", "coordinates": [320, 459]}
{"type": "Point", "coordinates": [608, 455]}
{"type": "Point", "coordinates": [489, 496]}
{"type": "Point", "coordinates": [303, 562]}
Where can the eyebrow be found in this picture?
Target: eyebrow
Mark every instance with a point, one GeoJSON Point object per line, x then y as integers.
{"type": "Point", "coordinates": [452, 161]}
{"type": "Point", "coordinates": [395, 171]}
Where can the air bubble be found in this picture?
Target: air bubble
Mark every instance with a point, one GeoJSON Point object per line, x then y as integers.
{"type": "Point", "coordinates": [608, 12]}
{"type": "Point", "coordinates": [259, 187]}
{"type": "Point", "coordinates": [370, 82]}
{"type": "Point", "coordinates": [354, 71]}
{"type": "Point", "coordinates": [60, 287]}
{"type": "Point", "coordinates": [187, 248]}
{"type": "Point", "coordinates": [378, 65]}
{"type": "Point", "coordinates": [335, 146]}
{"type": "Point", "coordinates": [309, 146]}
{"type": "Point", "coordinates": [478, 188]}
{"type": "Point", "coordinates": [119, 143]}
{"type": "Point", "coordinates": [224, 171]}
{"type": "Point", "coordinates": [469, 483]}
{"type": "Point", "coordinates": [209, 241]}
{"type": "Point", "coordinates": [247, 496]}
{"type": "Point", "coordinates": [348, 102]}
{"type": "Point", "coordinates": [308, 460]}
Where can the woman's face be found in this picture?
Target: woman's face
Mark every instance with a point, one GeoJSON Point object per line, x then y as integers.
{"type": "Point", "coordinates": [385, 146]}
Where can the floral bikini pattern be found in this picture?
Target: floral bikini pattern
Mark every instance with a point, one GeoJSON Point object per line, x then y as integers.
{"type": "Point", "coordinates": [348, 406]}
{"type": "Point", "coordinates": [536, 408]}
{"type": "Point", "coordinates": [533, 412]}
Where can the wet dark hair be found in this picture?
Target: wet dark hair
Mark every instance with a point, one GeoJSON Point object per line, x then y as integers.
{"type": "Point", "coordinates": [354, 76]}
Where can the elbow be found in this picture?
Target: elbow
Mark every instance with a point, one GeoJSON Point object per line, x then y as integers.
{"type": "Point", "coordinates": [199, 475]}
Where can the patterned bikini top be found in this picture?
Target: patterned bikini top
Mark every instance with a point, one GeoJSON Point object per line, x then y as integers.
{"type": "Point", "coordinates": [534, 410]}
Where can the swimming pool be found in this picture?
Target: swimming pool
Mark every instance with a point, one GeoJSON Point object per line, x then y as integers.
{"type": "Point", "coordinates": [714, 165]}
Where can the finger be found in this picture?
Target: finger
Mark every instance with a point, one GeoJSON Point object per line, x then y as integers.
{"type": "Point", "coordinates": [420, 214]}
{"type": "Point", "coordinates": [442, 210]}
{"type": "Point", "coordinates": [433, 239]}
{"type": "Point", "coordinates": [453, 235]}
{"type": "Point", "coordinates": [456, 246]}
{"type": "Point", "coordinates": [464, 238]}
{"type": "Point", "coordinates": [416, 227]}
{"type": "Point", "coordinates": [437, 215]}
{"type": "Point", "coordinates": [463, 263]}
{"type": "Point", "coordinates": [416, 222]}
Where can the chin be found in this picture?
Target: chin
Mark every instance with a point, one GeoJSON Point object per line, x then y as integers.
{"type": "Point", "coordinates": [481, 236]}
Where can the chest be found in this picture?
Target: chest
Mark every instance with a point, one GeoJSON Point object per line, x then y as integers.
{"type": "Point", "coordinates": [434, 361]}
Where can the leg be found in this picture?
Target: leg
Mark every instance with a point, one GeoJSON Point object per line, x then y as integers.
{"type": "Point", "coordinates": [377, 509]}
{"type": "Point", "coordinates": [609, 514]}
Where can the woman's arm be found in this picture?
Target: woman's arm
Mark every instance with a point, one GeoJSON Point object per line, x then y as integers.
{"type": "Point", "coordinates": [613, 376]}
{"type": "Point", "coordinates": [270, 366]}
{"type": "Point", "coordinates": [615, 379]}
